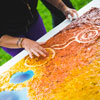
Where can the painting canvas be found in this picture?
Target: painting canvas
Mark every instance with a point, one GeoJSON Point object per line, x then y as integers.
{"type": "Point", "coordinates": [70, 72]}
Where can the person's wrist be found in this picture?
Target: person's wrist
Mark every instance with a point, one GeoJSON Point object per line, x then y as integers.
{"type": "Point", "coordinates": [19, 42]}
{"type": "Point", "coordinates": [65, 10]}
{"type": "Point", "coordinates": [62, 7]}
{"type": "Point", "coordinates": [23, 43]}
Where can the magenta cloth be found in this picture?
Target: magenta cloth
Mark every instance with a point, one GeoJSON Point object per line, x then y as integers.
{"type": "Point", "coordinates": [36, 31]}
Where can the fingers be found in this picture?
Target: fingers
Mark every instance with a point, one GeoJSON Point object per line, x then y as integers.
{"type": "Point", "coordinates": [75, 12]}
{"type": "Point", "coordinates": [43, 50]}
{"type": "Point", "coordinates": [35, 53]}
{"type": "Point", "coordinates": [40, 52]}
{"type": "Point", "coordinates": [41, 43]}
{"type": "Point", "coordinates": [71, 14]}
{"type": "Point", "coordinates": [30, 53]}
{"type": "Point", "coordinates": [34, 48]}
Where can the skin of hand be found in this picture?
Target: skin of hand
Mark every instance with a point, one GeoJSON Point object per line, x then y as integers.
{"type": "Point", "coordinates": [33, 47]}
{"type": "Point", "coordinates": [69, 11]}
{"type": "Point", "coordinates": [30, 46]}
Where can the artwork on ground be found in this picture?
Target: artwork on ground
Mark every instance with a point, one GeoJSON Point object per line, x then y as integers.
{"type": "Point", "coordinates": [70, 72]}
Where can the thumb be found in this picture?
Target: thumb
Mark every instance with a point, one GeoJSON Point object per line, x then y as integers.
{"type": "Point", "coordinates": [41, 43]}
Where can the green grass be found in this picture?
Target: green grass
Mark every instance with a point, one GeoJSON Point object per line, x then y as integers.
{"type": "Point", "coordinates": [46, 16]}
{"type": "Point", "coordinates": [4, 57]}
{"type": "Point", "coordinates": [79, 3]}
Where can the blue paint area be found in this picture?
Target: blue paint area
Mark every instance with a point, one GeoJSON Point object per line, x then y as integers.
{"type": "Point", "coordinates": [20, 77]}
{"type": "Point", "coordinates": [14, 95]}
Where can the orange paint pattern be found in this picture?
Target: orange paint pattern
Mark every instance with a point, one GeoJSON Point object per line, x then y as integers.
{"type": "Point", "coordinates": [74, 72]}
{"type": "Point", "coordinates": [75, 56]}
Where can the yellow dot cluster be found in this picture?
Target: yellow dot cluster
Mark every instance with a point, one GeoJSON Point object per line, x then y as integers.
{"type": "Point", "coordinates": [5, 77]}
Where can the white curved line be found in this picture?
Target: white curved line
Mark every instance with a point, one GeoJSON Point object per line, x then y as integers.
{"type": "Point", "coordinates": [64, 46]}
{"type": "Point", "coordinates": [54, 53]}
{"type": "Point", "coordinates": [92, 35]}
{"type": "Point", "coordinates": [63, 43]}
{"type": "Point", "coordinates": [58, 44]}
{"type": "Point", "coordinates": [76, 38]}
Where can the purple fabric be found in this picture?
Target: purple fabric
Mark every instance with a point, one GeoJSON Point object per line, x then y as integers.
{"type": "Point", "coordinates": [36, 31]}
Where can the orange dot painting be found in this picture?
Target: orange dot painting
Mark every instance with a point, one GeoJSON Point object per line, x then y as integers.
{"type": "Point", "coordinates": [71, 71]}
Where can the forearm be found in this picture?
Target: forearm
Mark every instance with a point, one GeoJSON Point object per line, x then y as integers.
{"type": "Point", "coordinates": [9, 41]}
{"type": "Point", "coordinates": [58, 4]}
{"type": "Point", "coordinates": [30, 46]}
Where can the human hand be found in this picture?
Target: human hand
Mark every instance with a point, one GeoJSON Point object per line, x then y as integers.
{"type": "Point", "coordinates": [33, 47]}
{"type": "Point", "coordinates": [72, 12]}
